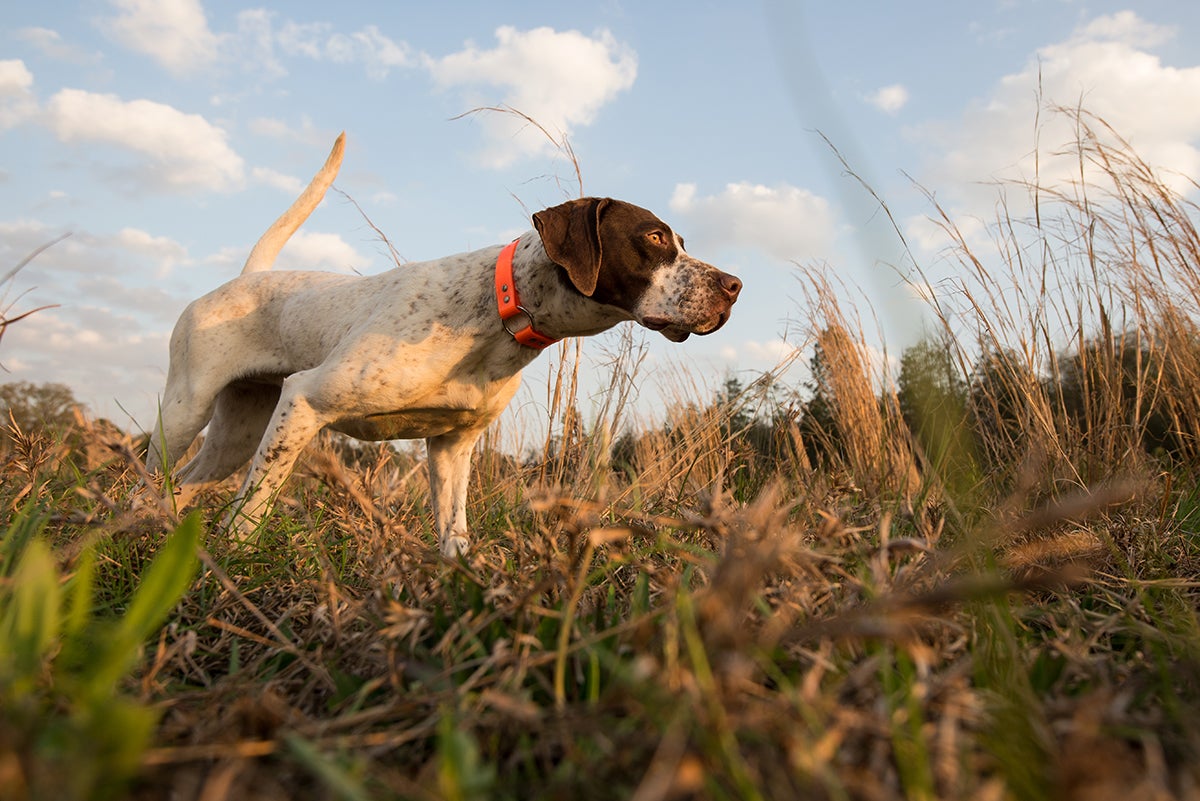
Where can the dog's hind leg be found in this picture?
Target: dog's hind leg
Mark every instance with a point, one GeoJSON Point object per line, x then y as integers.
{"type": "Point", "coordinates": [183, 414]}
{"type": "Point", "coordinates": [239, 421]}
{"type": "Point", "coordinates": [293, 424]}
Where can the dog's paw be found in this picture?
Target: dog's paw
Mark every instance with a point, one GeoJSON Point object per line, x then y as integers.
{"type": "Point", "coordinates": [145, 501]}
{"type": "Point", "coordinates": [239, 526]}
{"type": "Point", "coordinates": [454, 546]}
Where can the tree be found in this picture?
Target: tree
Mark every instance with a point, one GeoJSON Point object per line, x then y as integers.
{"type": "Point", "coordinates": [818, 426]}
{"type": "Point", "coordinates": [1004, 399]}
{"type": "Point", "coordinates": [1112, 389]}
{"type": "Point", "coordinates": [932, 394]}
{"type": "Point", "coordinates": [33, 406]}
{"type": "Point", "coordinates": [737, 418]}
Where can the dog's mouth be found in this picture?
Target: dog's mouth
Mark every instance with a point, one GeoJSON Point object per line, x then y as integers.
{"type": "Point", "coordinates": [668, 329]}
{"type": "Point", "coordinates": [678, 332]}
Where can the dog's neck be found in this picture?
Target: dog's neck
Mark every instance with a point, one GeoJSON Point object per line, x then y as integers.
{"type": "Point", "coordinates": [558, 309]}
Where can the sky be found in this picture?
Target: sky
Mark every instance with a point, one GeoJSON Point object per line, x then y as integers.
{"type": "Point", "coordinates": [164, 136]}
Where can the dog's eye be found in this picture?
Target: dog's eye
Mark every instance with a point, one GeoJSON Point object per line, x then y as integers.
{"type": "Point", "coordinates": [657, 238]}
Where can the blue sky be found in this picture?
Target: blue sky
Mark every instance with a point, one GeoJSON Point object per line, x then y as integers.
{"type": "Point", "coordinates": [165, 135]}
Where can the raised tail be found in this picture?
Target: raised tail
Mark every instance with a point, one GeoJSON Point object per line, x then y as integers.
{"type": "Point", "coordinates": [268, 247]}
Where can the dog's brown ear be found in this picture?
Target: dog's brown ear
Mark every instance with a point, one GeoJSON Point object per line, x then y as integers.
{"type": "Point", "coordinates": [571, 236]}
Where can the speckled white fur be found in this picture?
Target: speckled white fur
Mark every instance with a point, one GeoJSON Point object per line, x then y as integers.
{"type": "Point", "coordinates": [270, 358]}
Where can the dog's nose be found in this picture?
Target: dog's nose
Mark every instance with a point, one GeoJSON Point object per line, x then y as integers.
{"type": "Point", "coordinates": [731, 285]}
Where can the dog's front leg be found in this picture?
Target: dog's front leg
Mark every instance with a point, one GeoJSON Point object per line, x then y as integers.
{"type": "Point", "coordinates": [449, 474]}
{"type": "Point", "coordinates": [293, 425]}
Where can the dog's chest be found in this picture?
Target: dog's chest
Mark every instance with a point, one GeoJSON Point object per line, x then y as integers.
{"type": "Point", "coordinates": [453, 406]}
{"type": "Point", "coordinates": [416, 423]}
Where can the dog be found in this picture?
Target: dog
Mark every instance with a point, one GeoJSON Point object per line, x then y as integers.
{"type": "Point", "coordinates": [430, 350]}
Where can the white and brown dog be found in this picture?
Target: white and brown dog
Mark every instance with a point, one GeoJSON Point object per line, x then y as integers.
{"type": "Point", "coordinates": [432, 350]}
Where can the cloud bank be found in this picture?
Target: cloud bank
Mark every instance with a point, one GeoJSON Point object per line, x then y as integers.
{"type": "Point", "coordinates": [783, 221]}
{"type": "Point", "coordinates": [559, 78]}
{"type": "Point", "coordinates": [178, 150]}
{"type": "Point", "coordinates": [1106, 67]}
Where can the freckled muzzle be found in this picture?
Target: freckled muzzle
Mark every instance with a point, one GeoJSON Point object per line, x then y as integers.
{"type": "Point", "coordinates": [702, 306]}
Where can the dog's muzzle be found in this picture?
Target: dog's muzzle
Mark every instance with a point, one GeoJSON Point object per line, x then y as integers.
{"type": "Point", "coordinates": [724, 294]}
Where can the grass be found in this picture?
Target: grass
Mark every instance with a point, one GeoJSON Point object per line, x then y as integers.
{"type": "Point", "coordinates": [852, 592]}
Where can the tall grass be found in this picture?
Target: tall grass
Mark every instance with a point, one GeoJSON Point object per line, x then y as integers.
{"type": "Point", "coordinates": [993, 598]}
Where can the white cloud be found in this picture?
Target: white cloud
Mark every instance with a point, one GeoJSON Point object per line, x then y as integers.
{"type": "Point", "coordinates": [931, 236]}
{"type": "Point", "coordinates": [228, 258]}
{"type": "Point", "coordinates": [377, 52]}
{"type": "Point", "coordinates": [304, 132]}
{"type": "Point", "coordinates": [1128, 27]}
{"type": "Point", "coordinates": [51, 43]}
{"type": "Point", "coordinates": [182, 151]}
{"type": "Point", "coordinates": [1104, 67]}
{"type": "Point", "coordinates": [252, 48]}
{"type": "Point", "coordinates": [166, 252]}
{"type": "Point", "coordinates": [131, 250]}
{"type": "Point", "coordinates": [16, 93]}
{"type": "Point", "coordinates": [288, 183]}
{"type": "Point", "coordinates": [786, 222]}
{"type": "Point", "coordinates": [305, 39]}
{"type": "Point", "coordinates": [559, 78]}
{"type": "Point", "coordinates": [306, 250]}
{"type": "Point", "coordinates": [109, 359]}
{"type": "Point", "coordinates": [772, 352]}
{"type": "Point", "coordinates": [15, 78]}
{"type": "Point", "coordinates": [889, 98]}
{"type": "Point", "coordinates": [314, 250]}
{"type": "Point", "coordinates": [174, 33]}
{"type": "Point", "coordinates": [108, 337]}
{"type": "Point", "coordinates": [14, 233]}
{"type": "Point", "coordinates": [269, 126]}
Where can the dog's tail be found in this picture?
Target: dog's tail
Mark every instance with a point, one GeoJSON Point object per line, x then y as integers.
{"type": "Point", "coordinates": [268, 247]}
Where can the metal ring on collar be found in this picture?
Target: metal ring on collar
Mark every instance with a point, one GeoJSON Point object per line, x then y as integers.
{"type": "Point", "coordinates": [523, 310]}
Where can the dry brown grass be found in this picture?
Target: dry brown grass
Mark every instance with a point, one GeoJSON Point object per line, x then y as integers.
{"type": "Point", "coordinates": [704, 619]}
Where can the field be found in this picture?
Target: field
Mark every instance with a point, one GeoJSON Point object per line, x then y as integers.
{"type": "Point", "coordinates": [975, 576]}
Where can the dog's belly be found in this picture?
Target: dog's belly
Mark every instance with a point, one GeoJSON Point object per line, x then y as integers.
{"type": "Point", "coordinates": [409, 424]}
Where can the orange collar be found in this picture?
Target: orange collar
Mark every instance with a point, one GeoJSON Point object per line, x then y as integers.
{"type": "Point", "coordinates": [510, 304]}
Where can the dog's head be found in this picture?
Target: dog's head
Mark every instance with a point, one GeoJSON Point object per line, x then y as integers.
{"type": "Point", "coordinates": [622, 255]}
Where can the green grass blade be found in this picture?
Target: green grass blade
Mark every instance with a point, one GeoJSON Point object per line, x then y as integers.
{"type": "Point", "coordinates": [26, 524]}
{"type": "Point", "coordinates": [335, 777]}
{"type": "Point", "coordinates": [168, 577]}
{"type": "Point", "coordinates": [79, 595]}
{"type": "Point", "coordinates": [30, 620]}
